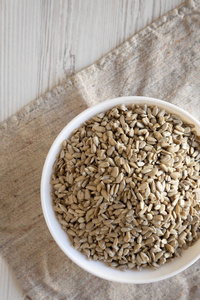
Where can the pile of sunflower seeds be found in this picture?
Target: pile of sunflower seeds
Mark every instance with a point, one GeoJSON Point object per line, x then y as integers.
{"type": "Point", "coordinates": [126, 187]}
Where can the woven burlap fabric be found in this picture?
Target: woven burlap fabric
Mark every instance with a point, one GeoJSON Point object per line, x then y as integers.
{"type": "Point", "coordinates": [162, 61]}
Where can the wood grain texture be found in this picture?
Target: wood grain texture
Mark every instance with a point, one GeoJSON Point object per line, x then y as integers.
{"type": "Point", "coordinates": [9, 287]}
{"type": "Point", "coordinates": [42, 42]}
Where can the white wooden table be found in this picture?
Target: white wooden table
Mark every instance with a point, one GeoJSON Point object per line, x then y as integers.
{"type": "Point", "coordinates": [42, 42]}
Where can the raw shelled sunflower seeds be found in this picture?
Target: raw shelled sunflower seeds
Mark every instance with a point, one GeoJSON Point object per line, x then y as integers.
{"type": "Point", "coordinates": [126, 187]}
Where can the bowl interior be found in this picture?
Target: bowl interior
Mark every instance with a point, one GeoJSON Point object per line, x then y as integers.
{"type": "Point", "coordinates": [98, 268]}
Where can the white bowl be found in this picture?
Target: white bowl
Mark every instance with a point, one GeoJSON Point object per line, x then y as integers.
{"type": "Point", "coordinates": [98, 268]}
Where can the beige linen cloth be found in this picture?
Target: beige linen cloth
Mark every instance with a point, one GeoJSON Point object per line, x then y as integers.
{"type": "Point", "coordinates": [161, 61]}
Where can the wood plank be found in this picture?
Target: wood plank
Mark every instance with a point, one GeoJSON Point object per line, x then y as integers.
{"type": "Point", "coordinates": [43, 42]}
{"type": "Point", "coordinates": [9, 286]}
